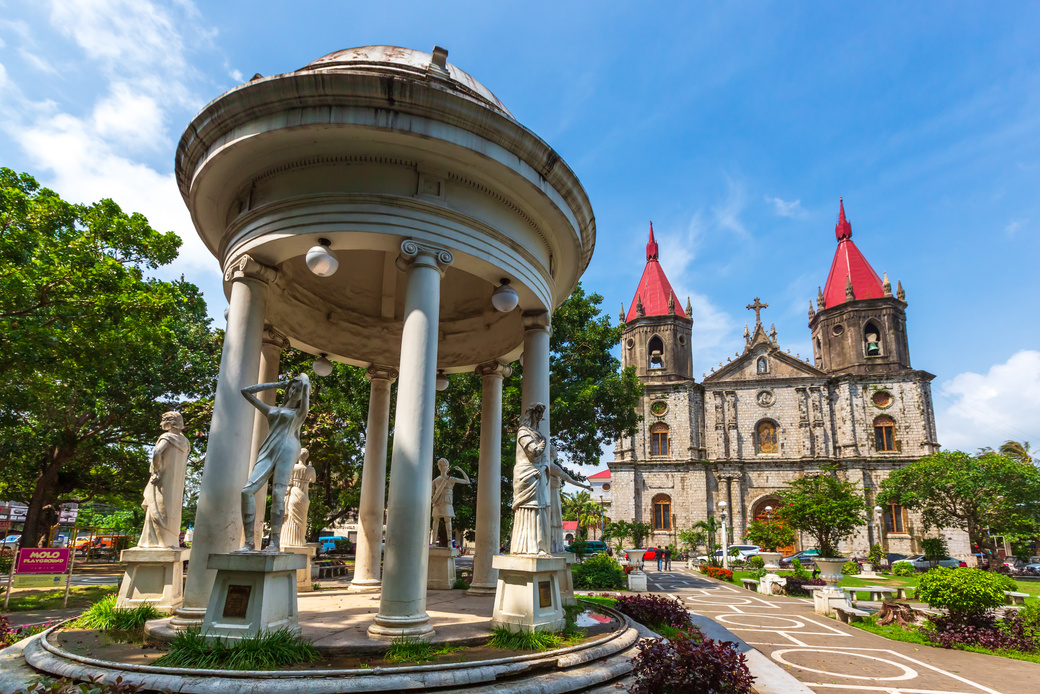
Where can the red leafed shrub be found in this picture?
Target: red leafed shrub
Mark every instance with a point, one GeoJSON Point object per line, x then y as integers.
{"type": "Point", "coordinates": [717, 572]}
{"type": "Point", "coordinates": [685, 665]}
{"type": "Point", "coordinates": [654, 610]}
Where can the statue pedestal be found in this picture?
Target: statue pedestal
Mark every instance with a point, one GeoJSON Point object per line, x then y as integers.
{"type": "Point", "coordinates": [441, 572]}
{"type": "Point", "coordinates": [636, 581]}
{"type": "Point", "coordinates": [252, 592]}
{"type": "Point", "coordinates": [566, 579]}
{"type": "Point", "coordinates": [527, 597]}
{"type": "Point", "coordinates": [153, 575]}
{"type": "Point", "coordinates": [771, 584]}
{"type": "Point", "coordinates": [827, 598]}
{"type": "Point", "coordinates": [304, 582]}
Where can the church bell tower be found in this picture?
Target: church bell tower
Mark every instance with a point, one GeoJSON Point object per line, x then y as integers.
{"type": "Point", "coordinates": [656, 338]}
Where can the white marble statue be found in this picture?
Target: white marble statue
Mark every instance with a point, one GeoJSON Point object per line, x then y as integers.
{"type": "Point", "coordinates": [557, 476]}
{"type": "Point", "coordinates": [298, 502]}
{"type": "Point", "coordinates": [164, 493]}
{"type": "Point", "coordinates": [444, 499]}
{"type": "Point", "coordinates": [531, 532]}
{"type": "Point", "coordinates": [278, 455]}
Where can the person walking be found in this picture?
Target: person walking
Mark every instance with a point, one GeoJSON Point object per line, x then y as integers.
{"type": "Point", "coordinates": [660, 557]}
{"type": "Point", "coordinates": [668, 559]}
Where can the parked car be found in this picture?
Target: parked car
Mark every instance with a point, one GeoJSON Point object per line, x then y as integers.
{"type": "Point", "coordinates": [592, 547]}
{"type": "Point", "coordinates": [922, 564]}
{"type": "Point", "coordinates": [745, 552]}
{"type": "Point", "coordinates": [1032, 569]}
{"type": "Point", "coordinates": [11, 543]}
{"type": "Point", "coordinates": [807, 557]}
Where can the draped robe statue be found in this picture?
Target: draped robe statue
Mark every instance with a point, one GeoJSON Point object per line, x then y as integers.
{"type": "Point", "coordinates": [164, 493]}
{"type": "Point", "coordinates": [557, 476]}
{"type": "Point", "coordinates": [531, 532]}
{"type": "Point", "coordinates": [444, 499]}
{"type": "Point", "coordinates": [298, 502]}
{"type": "Point", "coordinates": [277, 456]}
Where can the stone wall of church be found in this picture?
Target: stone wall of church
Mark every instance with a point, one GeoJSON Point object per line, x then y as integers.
{"type": "Point", "coordinates": [677, 406]}
{"type": "Point", "coordinates": [905, 397]}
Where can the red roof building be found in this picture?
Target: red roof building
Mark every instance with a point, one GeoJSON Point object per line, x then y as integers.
{"type": "Point", "coordinates": [654, 291]}
{"type": "Point", "coordinates": [600, 475]}
{"type": "Point", "coordinates": [849, 268]}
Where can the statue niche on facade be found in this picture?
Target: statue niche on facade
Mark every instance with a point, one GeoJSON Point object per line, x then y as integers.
{"type": "Point", "coordinates": [277, 456]}
{"type": "Point", "coordinates": [557, 476]}
{"type": "Point", "coordinates": [444, 499]}
{"type": "Point", "coordinates": [298, 502]}
{"type": "Point", "coordinates": [164, 493]}
{"type": "Point", "coordinates": [531, 532]}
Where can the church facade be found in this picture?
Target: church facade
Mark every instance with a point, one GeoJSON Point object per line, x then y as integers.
{"type": "Point", "coordinates": [767, 417]}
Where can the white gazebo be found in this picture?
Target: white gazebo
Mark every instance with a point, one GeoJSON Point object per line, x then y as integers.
{"type": "Point", "coordinates": [378, 207]}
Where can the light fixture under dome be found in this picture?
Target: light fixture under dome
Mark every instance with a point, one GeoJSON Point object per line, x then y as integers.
{"type": "Point", "coordinates": [322, 366]}
{"type": "Point", "coordinates": [442, 381]}
{"type": "Point", "coordinates": [320, 259]}
{"type": "Point", "coordinates": [504, 298]}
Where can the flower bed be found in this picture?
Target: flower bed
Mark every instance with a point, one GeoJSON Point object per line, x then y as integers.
{"type": "Point", "coordinates": [690, 664]}
{"type": "Point", "coordinates": [654, 611]}
{"type": "Point", "coordinates": [717, 572]}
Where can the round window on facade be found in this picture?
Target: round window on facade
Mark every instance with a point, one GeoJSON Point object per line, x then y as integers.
{"type": "Point", "coordinates": [631, 343]}
{"type": "Point", "coordinates": [606, 486]}
{"type": "Point", "coordinates": [682, 339]}
{"type": "Point", "coordinates": [659, 407]}
{"type": "Point", "coordinates": [838, 329]}
{"type": "Point", "coordinates": [882, 398]}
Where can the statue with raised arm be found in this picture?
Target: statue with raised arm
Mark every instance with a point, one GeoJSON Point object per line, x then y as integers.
{"type": "Point", "coordinates": [557, 476]}
{"type": "Point", "coordinates": [298, 501]}
{"type": "Point", "coordinates": [444, 499]}
{"type": "Point", "coordinates": [164, 493]}
{"type": "Point", "coordinates": [278, 455]}
{"type": "Point", "coordinates": [531, 533]}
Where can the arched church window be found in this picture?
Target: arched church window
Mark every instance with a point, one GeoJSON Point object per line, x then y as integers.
{"type": "Point", "coordinates": [763, 365]}
{"type": "Point", "coordinates": [766, 438]}
{"type": "Point", "coordinates": [884, 433]}
{"type": "Point", "coordinates": [656, 350]}
{"type": "Point", "coordinates": [659, 439]}
{"type": "Point", "coordinates": [662, 512]}
{"type": "Point", "coordinates": [872, 340]}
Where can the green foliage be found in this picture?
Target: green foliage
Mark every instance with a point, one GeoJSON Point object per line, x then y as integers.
{"type": "Point", "coordinates": [934, 548]}
{"type": "Point", "coordinates": [618, 531]}
{"type": "Point", "coordinates": [876, 555]}
{"type": "Point", "coordinates": [599, 572]}
{"type": "Point", "coordinates": [903, 568]}
{"type": "Point", "coordinates": [460, 584]}
{"type": "Point", "coordinates": [823, 506]}
{"type": "Point", "coordinates": [703, 532]}
{"type": "Point", "coordinates": [412, 651]}
{"type": "Point", "coordinates": [986, 495]}
{"type": "Point", "coordinates": [640, 531]}
{"type": "Point", "coordinates": [756, 562]}
{"type": "Point", "coordinates": [505, 639]}
{"type": "Point", "coordinates": [268, 650]}
{"type": "Point", "coordinates": [850, 568]}
{"type": "Point", "coordinates": [580, 507]}
{"type": "Point", "coordinates": [580, 546]}
{"type": "Point", "coordinates": [799, 571]}
{"type": "Point", "coordinates": [91, 350]}
{"type": "Point", "coordinates": [106, 616]}
{"type": "Point", "coordinates": [770, 534]}
{"type": "Point", "coordinates": [599, 600]}
{"type": "Point", "coordinates": [1031, 615]}
{"type": "Point", "coordinates": [963, 591]}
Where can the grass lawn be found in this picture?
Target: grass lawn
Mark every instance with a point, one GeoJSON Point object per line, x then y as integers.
{"type": "Point", "coordinates": [83, 596]}
{"type": "Point", "coordinates": [1030, 587]}
{"type": "Point", "coordinates": [897, 633]}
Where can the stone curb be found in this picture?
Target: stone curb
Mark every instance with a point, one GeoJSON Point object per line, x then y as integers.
{"type": "Point", "coordinates": [15, 673]}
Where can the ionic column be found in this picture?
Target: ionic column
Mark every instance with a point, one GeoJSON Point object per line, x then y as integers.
{"type": "Point", "coordinates": [402, 605]}
{"type": "Point", "coordinates": [270, 358]}
{"type": "Point", "coordinates": [535, 383]}
{"type": "Point", "coordinates": [489, 480]}
{"type": "Point", "coordinates": [218, 522]}
{"type": "Point", "coordinates": [367, 569]}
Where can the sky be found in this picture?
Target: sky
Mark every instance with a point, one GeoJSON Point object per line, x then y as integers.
{"type": "Point", "coordinates": [733, 126]}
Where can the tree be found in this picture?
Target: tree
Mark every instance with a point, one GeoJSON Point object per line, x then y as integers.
{"type": "Point", "coordinates": [91, 350]}
{"type": "Point", "coordinates": [640, 531]}
{"type": "Point", "coordinates": [618, 531]}
{"type": "Point", "coordinates": [1016, 451]}
{"type": "Point", "coordinates": [986, 495]}
{"type": "Point", "coordinates": [580, 507]}
{"type": "Point", "coordinates": [770, 534]}
{"type": "Point", "coordinates": [823, 506]}
{"type": "Point", "coordinates": [704, 533]}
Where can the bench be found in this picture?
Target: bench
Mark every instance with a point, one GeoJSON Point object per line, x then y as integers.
{"type": "Point", "coordinates": [750, 583]}
{"type": "Point", "coordinates": [901, 592]}
{"type": "Point", "coordinates": [849, 614]}
{"type": "Point", "coordinates": [877, 593]}
{"type": "Point", "coordinates": [1016, 598]}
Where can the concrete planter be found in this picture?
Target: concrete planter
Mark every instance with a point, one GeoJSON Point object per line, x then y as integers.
{"type": "Point", "coordinates": [830, 569]}
{"type": "Point", "coordinates": [772, 560]}
{"type": "Point", "coordinates": [635, 556]}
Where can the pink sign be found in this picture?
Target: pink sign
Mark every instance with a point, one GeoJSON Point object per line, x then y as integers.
{"type": "Point", "coordinates": [43, 561]}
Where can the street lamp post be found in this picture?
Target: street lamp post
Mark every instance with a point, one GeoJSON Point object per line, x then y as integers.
{"type": "Point", "coordinates": [725, 543]}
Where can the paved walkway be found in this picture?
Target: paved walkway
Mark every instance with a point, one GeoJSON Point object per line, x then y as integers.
{"type": "Point", "coordinates": [830, 657]}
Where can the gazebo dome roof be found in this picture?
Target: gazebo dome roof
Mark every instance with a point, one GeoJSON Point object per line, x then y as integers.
{"type": "Point", "coordinates": [410, 62]}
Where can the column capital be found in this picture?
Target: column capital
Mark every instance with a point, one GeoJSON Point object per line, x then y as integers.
{"type": "Point", "coordinates": [244, 267]}
{"type": "Point", "coordinates": [418, 253]}
{"type": "Point", "coordinates": [383, 373]}
{"type": "Point", "coordinates": [493, 368]}
{"type": "Point", "coordinates": [273, 337]}
{"type": "Point", "coordinates": [537, 320]}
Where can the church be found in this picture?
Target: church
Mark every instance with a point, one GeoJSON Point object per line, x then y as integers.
{"type": "Point", "coordinates": [767, 417]}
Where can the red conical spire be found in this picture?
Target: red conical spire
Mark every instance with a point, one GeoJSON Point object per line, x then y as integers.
{"type": "Point", "coordinates": [654, 290]}
{"type": "Point", "coordinates": [849, 268]}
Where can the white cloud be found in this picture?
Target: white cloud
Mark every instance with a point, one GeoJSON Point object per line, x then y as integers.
{"type": "Point", "coordinates": [727, 215]}
{"type": "Point", "coordinates": [784, 208]}
{"type": "Point", "coordinates": [1012, 228]}
{"type": "Point", "coordinates": [236, 75]}
{"type": "Point", "coordinates": [988, 409]}
{"type": "Point", "coordinates": [130, 118]}
{"type": "Point", "coordinates": [36, 61]}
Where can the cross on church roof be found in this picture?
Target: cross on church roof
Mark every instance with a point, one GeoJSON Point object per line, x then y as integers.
{"type": "Point", "coordinates": [757, 307]}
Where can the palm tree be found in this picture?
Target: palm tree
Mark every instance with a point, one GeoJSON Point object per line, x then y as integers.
{"type": "Point", "coordinates": [1016, 451]}
{"type": "Point", "coordinates": [582, 508]}
{"type": "Point", "coordinates": [704, 532]}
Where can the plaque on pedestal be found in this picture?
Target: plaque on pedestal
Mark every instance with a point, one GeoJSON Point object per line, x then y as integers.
{"type": "Point", "coordinates": [304, 581]}
{"type": "Point", "coordinates": [253, 592]}
{"type": "Point", "coordinates": [566, 578]}
{"type": "Point", "coordinates": [154, 576]}
{"type": "Point", "coordinates": [441, 573]}
{"type": "Point", "coordinates": [527, 597]}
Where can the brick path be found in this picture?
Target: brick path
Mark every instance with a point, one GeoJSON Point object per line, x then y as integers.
{"type": "Point", "coordinates": [833, 658]}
